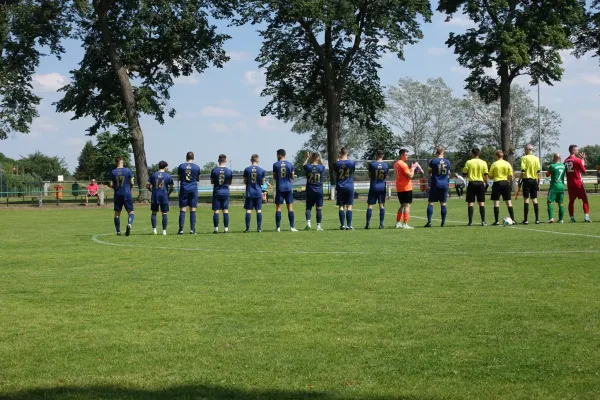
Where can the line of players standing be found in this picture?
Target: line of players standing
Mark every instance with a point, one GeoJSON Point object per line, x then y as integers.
{"type": "Point", "coordinates": [161, 185]}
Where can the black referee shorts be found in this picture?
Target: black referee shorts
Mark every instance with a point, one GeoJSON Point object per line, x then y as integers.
{"type": "Point", "coordinates": [500, 189]}
{"type": "Point", "coordinates": [476, 192]}
{"type": "Point", "coordinates": [530, 188]}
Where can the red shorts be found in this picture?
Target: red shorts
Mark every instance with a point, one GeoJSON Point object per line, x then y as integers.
{"type": "Point", "coordinates": [577, 193]}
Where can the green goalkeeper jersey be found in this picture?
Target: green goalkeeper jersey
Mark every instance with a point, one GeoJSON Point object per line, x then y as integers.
{"type": "Point", "coordinates": [557, 177]}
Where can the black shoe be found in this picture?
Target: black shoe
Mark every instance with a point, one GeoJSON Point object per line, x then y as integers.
{"type": "Point", "coordinates": [483, 224]}
{"type": "Point", "coordinates": [367, 227]}
{"type": "Point", "coordinates": [443, 225]}
{"type": "Point", "coordinates": [380, 226]}
{"type": "Point", "coordinates": [180, 233]}
{"type": "Point", "coordinates": [524, 223]}
{"type": "Point", "coordinates": [496, 223]}
{"type": "Point", "coordinates": [537, 222]}
{"type": "Point", "coordinates": [428, 225]}
{"type": "Point", "coordinates": [192, 232]}
{"type": "Point", "coordinates": [247, 231]}
{"type": "Point", "coordinates": [470, 224]}
{"type": "Point", "coordinates": [118, 233]}
{"type": "Point", "coordinates": [215, 232]}
{"type": "Point", "coordinates": [128, 230]}
{"type": "Point", "coordinates": [259, 231]}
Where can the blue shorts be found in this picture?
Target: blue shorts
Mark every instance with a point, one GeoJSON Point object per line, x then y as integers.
{"type": "Point", "coordinates": [188, 199]}
{"type": "Point", "coordinates": [438, 194]}
{"type": "Point", "coordinates": [314, 199]}
{"type": "Point", "coordinates": [123, 200]}
{"type": "Point", "coordinates": [220, 203]}
{"type": "Point", "coordinates": [376, 196]}
{"type": "Point", "coordinates": [345, 197]}
{"type": "Point", "coordinates": [164, 207]}
{"type": "Point", "coordinates": [281, 197]}
{"type": "Point", "coordinates": [253, 203]}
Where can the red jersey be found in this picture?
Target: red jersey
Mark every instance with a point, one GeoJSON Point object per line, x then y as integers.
{"type": "Point", "coordinates": [574, 167]}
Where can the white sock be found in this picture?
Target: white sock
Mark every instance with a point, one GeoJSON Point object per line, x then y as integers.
{"type": "Point", "coordinates": [217, 229]}
{"type": "Point", "coordinates": [226, 229]}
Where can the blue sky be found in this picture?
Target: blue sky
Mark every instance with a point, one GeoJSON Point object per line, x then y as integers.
{"type": "Point", "coordinates": [219, 110]}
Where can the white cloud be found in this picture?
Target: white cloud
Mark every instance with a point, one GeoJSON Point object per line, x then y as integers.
{"type": "Point", "coordinates": [462, 22]}
{"type": "Point", "coordinates": [459, 70]}
{"type": "Point", "coordinates": [44, 124]}
{"type": "Point", "coordinates": [219, 128]}
{"type": "Point", "coordinates": [254, 77]}
{"type": "Point", "coordinates": [49, 82]}
{"type": "Point", "coordinates": [239, 56]}
{"type": "Point", "coordinates": [74, 142]}
{"type": "Point", "coordinates": [436, 51]}
{"type": "Point", "coordinates": [187, 80]}
{"type": "Point", "coordinates": [268, 122]}
{"type": "Point", "coordinates": [211, 111]}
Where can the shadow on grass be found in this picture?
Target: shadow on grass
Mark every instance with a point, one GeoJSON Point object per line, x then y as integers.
{"type": "Point", "coordinates": [182, 392]}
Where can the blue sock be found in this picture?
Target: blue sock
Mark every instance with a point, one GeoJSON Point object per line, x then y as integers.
{"type": "Point", "coordinates": [429, 213]}
{"type": "Point", "coordinates": [216, 220]}
{"type": "Point", "coordinates": [165, 221]}
{"type": "Point", "coordinates": [193, 221]}
{"type": "Point", "coordinates": [369, 215]}
{"type": "Point", "coordinates": [278, 219]}
{"type": "Point", "coordinates": [342, 217]}
{"type": "Point", "coordinates": [153, 220]}
{"type": "Point", "coordinates": [291, 218]}
{"type": "Point", "coordinates": [308, 214]}
{"type": "Point", "coordinates": [444, 213]}
{"type": "Point", "coordinates": [130, 219]}
{"type": "Point", "coordinates": [226, 220]}
{"type": "Point", "coordinates": [248, 216]}
{"type": "Point", "coordinates": [349, 217]}
{"type": "Point", "coordinates": [381, 215]}
{"type": "Point", "coordinates": [259, 221]}
{"type": "Point", "coordinates": [319, 215]}
{"type": "Point", "coordinates": [118, 224]}
{"type": "Point", "coordinates": [181, 220]}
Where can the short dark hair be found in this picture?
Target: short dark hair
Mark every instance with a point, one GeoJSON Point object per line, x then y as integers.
{"type": "Point", "coordinates": [499, 154]}
{"type": "Point", "coordinates": [281, 153]}
{"type": "Point", "coordinates": [118, 159]}
{"type": "Point", "coordinates": [162, 165]}
{"type": "Point", "coordinates": [379, 154]}
{"type": "Point", "coordinates": [571, 147]}
{"type": "Point", "coordinates": [403, 152]}
{"type": "Point", "coordinates": [254, 158]}
{"type": "Point", "coordinates": [222, 158]}
{"type": "Point", "coordinates": [344, 151]}
{"type": "Point", "coordinates": [189, 156]}
{"type": "Point", "coordinates": [475, 151]}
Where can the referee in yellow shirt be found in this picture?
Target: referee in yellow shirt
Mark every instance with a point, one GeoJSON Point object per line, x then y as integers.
{"type": "Point", "coordinates": [502, 174]}
{"type": "Point", "coordinates": [530, 179]}
{"type": "Point", "coordinates": [477, 173]}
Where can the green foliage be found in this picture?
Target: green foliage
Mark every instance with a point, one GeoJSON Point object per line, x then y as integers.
{"type": "Point", "coordinates": [107, 148]}
{"type": "Point", "coordinates": [208, 167]}
{"type": "Point", "coordinates": [27, 28]}
{"type": "Point", "coordinates": [298, 161]}
{"type": "Point", "coordinates": [86, 167]}
{"type": "Point", "coordinates": [588, 36]}
{"type": "Point", "coordinates": [592, 153]}
{"type": "Point", "coordinates": [156, 42]}
{"type": "Point", "coordinates": [380, 137]}
{"type": "Point", "coordinates": [45, 167]}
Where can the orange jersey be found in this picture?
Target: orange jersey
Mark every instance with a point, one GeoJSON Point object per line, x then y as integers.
{"type": "Point", "coordinates": [403, 179]}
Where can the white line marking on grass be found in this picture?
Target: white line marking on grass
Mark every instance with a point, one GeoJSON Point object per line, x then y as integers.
{"type": "Point", "coordinates": [96, 239]}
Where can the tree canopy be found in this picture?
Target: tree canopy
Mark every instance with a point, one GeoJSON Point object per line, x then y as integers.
{"type": "Point", "coordinates": [47, 168]}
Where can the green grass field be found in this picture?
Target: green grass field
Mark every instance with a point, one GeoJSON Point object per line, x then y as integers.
{"type": "Point", "coordinates": [454, 313]}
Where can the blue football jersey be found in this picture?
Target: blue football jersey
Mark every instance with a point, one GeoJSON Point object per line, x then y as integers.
{"type": "Point", "coordinates": [344, 170]}
{"type": "Point", "coordinates": [221, 178]}
{"type": "Point", "coordinates": [254, 177]}
{"type": "Point", "coordinates": [282, 173]}
{"type": "Point", "coordinates": [160, 182]}
{"type": "Point", "coordinates": [189, 174]}
{"type": "Point", "coordinates": [314, 178]}
{"type": "Point", "coordinates": [440, 173]}
{"type": "Point", "coordinates": [121, 179]}
{"type": "Point", "coordinates": [378, 171]}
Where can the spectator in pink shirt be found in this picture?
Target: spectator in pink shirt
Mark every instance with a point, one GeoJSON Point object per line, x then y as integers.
{"type": "Point", "coordinates": [92, 191]}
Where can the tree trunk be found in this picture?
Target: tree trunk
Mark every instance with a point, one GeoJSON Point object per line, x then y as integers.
{"type": "Point", "coordinates": [333, 135]}
{"type": "Point", "coordinates": [135, 130]}
{"type": "Point", "coordinates": [505, 111]}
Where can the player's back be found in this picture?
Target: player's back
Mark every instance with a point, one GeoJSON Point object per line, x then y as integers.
{"type": "Point", "coordinates": [557, 176]}
{"type": "Point", "coordinates": [189, 174]}
{"type": "Point", "coordinates": [501, 170]}
{"type": "Point", "coordinates": [121, 179]}
{"type": "Point", "coordinates": [530, 166]}
{"type": "Point", "coordinates": [475, 169]}
{"type": "Point", "coordinates": [221, 178]}
{"type": "Point", "coordinates": [378, 172]}
{"type": "Point", "coordinates": [440, 173]}
{"type": "Point", "coordinates": [283, 171]}
{"type": "Point", "coordinates": [254, 177]}
{"type": "Point", "coordinates": [574, 167]}
{"type": "Point", "coordinates": [314, 178]}
{"type": "Point", "coordinates": [160, 182]}
{"type": "Point", "coordinates": [345, 174]}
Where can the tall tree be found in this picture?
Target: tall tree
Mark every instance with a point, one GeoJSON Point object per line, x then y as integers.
{"type": "Point", "coordinates": [133, 51]}
{"type": "Point", "coordinates": [592, 153]}
{"type": "Point", "coordinates": [208, 167]}
{"type": "Point", "coordinates": [321, 55]}
{"type": "Point", "coordinates": [381, 137]}
{"type": "Point", "coordinates": [512, 37]}
{"type": "Point", "coordinates": [445, 113]}
{"type": "Point", "coordinates": [47, 168]}
{"type": "Point", "coordinates": [107, 148]}
{"type": "Point", "coordinates": [298, 161]}
{"type": "Point", "coordinates": [588, 36]}
{"type": "Point", "coordinates": [352, 136]}
{"type": "Point", "coordinates": [27, 29]}
{"type": "Point", "coordinates": [86, 162]}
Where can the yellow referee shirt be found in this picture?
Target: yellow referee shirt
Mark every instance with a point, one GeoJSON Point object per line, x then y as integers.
{"type": "Point", "coordinates": [500, 171]}
{"type": "Point", "coordinates": [530, 167]}
{"type": "Point", "coordinates": [475, 169]}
